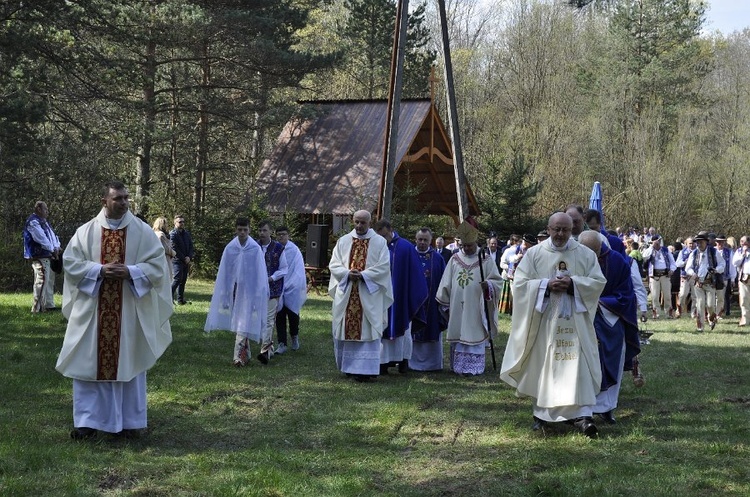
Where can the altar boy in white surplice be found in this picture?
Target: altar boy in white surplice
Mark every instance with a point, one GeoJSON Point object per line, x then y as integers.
{"type": "Point", "coordinates": [240, 300]}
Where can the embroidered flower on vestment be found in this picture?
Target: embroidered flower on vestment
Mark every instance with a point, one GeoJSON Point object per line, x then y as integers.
{"type": "Point", "coordinates": [465, 277]}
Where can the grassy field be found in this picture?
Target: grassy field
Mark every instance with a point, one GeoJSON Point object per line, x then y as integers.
{"type": "Point", "coordinates": [299, 427]}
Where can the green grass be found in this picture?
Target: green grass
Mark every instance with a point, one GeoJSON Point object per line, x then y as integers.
{"type": "Point", "coordinates": [299, 427]}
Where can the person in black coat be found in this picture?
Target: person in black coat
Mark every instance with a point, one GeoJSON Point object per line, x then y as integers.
{"type": "Point", "coordinates": [182, 244]}
{"type": "Point", "coordinates": [446, 253]}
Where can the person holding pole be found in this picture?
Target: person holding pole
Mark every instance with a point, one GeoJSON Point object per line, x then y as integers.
{"type": "Point", "coordinates": [469, 296]}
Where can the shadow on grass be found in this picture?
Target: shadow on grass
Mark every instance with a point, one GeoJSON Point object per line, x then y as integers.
{"type": "Point", "coordinates": [300, 427]}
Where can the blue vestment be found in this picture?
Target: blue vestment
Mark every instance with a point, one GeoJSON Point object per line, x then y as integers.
{"type": "Point", "coordinates": [615, 243]}
{"type": "Point", "coordinates": [409, 288]}
{"type": "Point", "coordinates": [618, 297]}
{"type": "Point", "coordinates": [433, 266]}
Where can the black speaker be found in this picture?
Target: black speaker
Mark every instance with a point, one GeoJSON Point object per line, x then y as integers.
{"type": "Point", "coordinates": [316, 253]}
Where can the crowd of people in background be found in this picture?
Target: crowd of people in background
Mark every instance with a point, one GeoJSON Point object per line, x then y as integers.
{"type": "Point", "coordinates": [574, 290]}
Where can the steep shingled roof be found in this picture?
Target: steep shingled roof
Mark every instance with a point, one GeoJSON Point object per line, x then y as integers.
{"type": "Point", "coordinates": [329, 159]}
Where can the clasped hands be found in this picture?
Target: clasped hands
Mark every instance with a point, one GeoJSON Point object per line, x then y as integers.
{"type": "Point", "coordinates": [559, 284]}
{"type": "Point", "coordinates": [355, 276]}
{"type": "Point", "coordinates": [115, 271]}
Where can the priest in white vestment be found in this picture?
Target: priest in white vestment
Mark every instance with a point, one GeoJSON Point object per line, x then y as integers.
{"type": "Point", "coordinates": [552, 354]}
{"type": "Point", "coordinates": [362, 292]}
{"type": "Point", "coordinates": [117, 301]}
{"type": "Point", "coordinates": [469, 295]}
{"type": "Point", "coordinates": [240, 299]}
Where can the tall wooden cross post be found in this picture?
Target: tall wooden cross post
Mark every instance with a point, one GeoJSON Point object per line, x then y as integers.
{"type": "Point", "coordinates": [394, 111]}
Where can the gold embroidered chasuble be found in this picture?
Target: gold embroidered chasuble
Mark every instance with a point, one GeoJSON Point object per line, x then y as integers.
{"type": "Point", "coordinates": [359, 311]}
{"type": "Point", "coordinates": [353, 320]}
{"type": "Point", "coordinates": [110, 307]}
{"type": "Point", "coordinates": [119, 329]}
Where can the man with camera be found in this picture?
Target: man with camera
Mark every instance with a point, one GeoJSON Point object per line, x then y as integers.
{"type": "Point", "coordinates": [705, 268]}
{"type": "Point", "coordinates": [660, 265]}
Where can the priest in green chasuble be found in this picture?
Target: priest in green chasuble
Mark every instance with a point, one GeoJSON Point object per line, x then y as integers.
{"type": "Point", "coordinates": [552, 354]}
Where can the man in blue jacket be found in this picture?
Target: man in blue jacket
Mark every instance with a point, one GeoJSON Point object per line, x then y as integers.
{"type": "Point", "coordinates": [41, 246]}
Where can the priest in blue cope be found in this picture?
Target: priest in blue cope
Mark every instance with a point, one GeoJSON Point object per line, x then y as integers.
{"type": "Point", "coordinates": [427, 354]}
{"type": "Point", "coordinates": [616, 323]}
{"type": "Point", "coordinates": [409, 295]}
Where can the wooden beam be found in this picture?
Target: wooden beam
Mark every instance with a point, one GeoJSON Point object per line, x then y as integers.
{"type": "Point", "coordinates": [394, 110]}
{"type": "Point", "coordinates": [458, 165]}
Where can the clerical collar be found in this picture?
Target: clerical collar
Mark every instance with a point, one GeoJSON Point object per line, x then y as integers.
{"type": "Point", "coordinates": [420, 252]}
{"type": "Point", "coordinates": [559, 249]}
{"type": "Point", "coordinates": [114, 223]}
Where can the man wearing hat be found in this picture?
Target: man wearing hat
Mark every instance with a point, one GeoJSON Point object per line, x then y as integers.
{"type": "Point", "coordinates": [552, 353]}
{"type": "Point", "coordinates": [660, 266]}
{"type": "Point", "coordinates": [468, 293]}
{"type": "Point", "coordinates": [700, 267]}
{"type": "Point", "coordinates": [730, 273]}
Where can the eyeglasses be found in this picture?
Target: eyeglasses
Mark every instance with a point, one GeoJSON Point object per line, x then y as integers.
{"type": "Point", "coordinates": [559, 230]}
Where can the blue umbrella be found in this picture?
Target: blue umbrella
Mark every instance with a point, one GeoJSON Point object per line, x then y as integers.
{"type": "Point", "coordinates": [595, 201]}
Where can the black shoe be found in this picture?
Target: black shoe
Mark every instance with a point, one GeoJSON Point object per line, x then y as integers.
{"type": "Point", "coordinates": [384, 369]}
{"type": "Point", "coordinates": [263, 357]}
{"type": "Point", "coordinates": [130, 434]}
{"type": "Point", "coordinates": [539, 424]}
{"type": "Point", "coordinates": [363, 378]}
{"type": "Point", "coordinates": [82, 433]}
{"type": "Point", "coordinates": [403, 366]}
{"type": "Point", "coordinates": [608, 417]}
{"type": "Point", "coordinates": [586, 426]}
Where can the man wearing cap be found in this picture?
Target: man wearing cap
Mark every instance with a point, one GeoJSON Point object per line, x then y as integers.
{"type": "Point", "coordinates": [660, 265]}
{"type": "Point", "coordinates": [701, 266]}
{"type": "Point", "coordinates": [741, 261]}
{"type": "Point", "coordinates": [686, 286]}
{"type": "Point", "coordinates": [361, 289]}
{"type": "Point", "coordinates": [552, 353]}
{"type": "Point", "coordinates": [468, 293]}
{"type": "Point", "coordinates": [730, 273]}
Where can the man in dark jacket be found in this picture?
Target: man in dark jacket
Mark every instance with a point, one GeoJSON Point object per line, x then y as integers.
{"type": "Point", "coordinates": [182, 244]}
